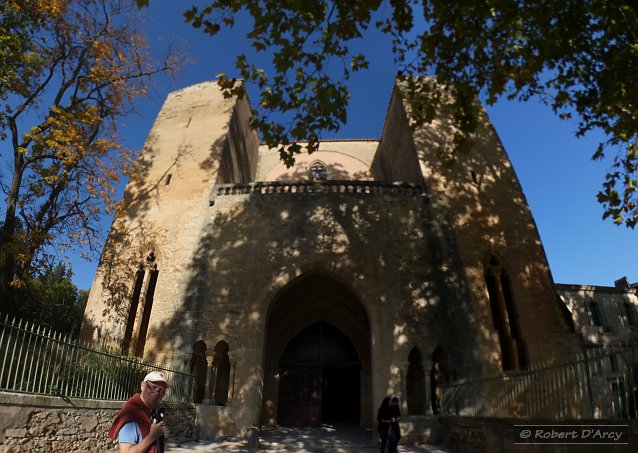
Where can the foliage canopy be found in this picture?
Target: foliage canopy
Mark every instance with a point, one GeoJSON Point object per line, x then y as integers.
{"type": "Point", "coordinates": [580, 57]}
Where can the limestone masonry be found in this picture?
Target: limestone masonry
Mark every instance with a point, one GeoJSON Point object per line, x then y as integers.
{"type": "Point", "coordinates": [303, 295]}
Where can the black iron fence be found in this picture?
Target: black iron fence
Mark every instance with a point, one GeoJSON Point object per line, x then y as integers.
{"type": "Point", "coordinates": [601, 383]}
{"type": "Point", "coordinates": [37, 360]}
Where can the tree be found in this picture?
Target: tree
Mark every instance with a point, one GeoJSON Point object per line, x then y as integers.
{"type": "Point", "coordinates": [50, 298]}
{"type": "Point", "coordinates": [71, 70]}
{"type": "Point", "coordinates": [580, 57]}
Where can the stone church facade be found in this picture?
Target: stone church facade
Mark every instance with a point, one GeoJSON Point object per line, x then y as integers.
{"type": "Point", "coordinates": [305, 295]}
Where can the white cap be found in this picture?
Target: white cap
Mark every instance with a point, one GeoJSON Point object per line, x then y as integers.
{"type": "Point", "coordinates": [156, 376]}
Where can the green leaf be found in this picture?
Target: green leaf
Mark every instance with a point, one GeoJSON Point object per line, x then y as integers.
{"type": "Point", "coordinates": [189, 15]}
{"type": "Point", "coordinates": [211, 28]}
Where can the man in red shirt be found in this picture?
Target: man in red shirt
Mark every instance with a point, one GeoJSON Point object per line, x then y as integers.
{"type": "Point", "coordinates": [135, 426]}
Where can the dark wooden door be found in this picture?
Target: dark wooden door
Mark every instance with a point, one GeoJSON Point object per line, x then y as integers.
{"type": "Point", "coordinates": [300, 396]}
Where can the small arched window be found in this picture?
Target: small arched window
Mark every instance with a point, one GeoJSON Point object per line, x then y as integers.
{"type": "Point", "coordinates": [415, 387]}
{"type": "Point", "coordinates": [199, 367]}
{"type": "Point", "coordinates": [221, 370]}
{"type": "Point", "coordinates": [318, 171]}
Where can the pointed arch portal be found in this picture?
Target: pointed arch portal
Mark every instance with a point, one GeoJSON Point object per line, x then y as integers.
{"type": "Point", "coordinates": [317, 358]}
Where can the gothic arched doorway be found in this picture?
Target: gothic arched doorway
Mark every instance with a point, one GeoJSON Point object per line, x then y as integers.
{"type": "Point", "coordinates": [319, 378]}
{"type": "Point", "coordinates": [317, 358]}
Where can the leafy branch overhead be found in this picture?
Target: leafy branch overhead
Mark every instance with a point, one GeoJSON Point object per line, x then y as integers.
{"type": "Point", "coordinates": [580, 57]}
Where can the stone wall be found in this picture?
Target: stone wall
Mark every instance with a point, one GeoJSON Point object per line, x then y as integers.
{"type": "Point", "coordinates": [480, 202]}
{"type": "Point", "coordinates": [165, 206]}
{"type": "Point", "coordinates": [254, 269]}
{"type": "Point", "coordinates": [377, 246]}
{"type": "Point", "coordinates": [34, 423]}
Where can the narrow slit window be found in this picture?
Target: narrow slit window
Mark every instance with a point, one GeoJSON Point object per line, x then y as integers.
{"type": "Point", "coordinates": [146, 314]}
{"type": "Point", "coordinates": [130, 323]}
{"type": "Point", "coordinates": [505, 317]}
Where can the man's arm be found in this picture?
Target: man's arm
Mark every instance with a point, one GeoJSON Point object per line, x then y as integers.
{"type": "Point", "coordinates": [157, 429]}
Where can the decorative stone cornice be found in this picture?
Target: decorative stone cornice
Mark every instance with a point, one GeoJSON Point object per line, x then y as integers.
{"type": "Point", "coordinates": [318, 187]}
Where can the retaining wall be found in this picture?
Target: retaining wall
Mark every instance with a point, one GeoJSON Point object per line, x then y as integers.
{"type": "Point", "coordinates": [34, 423]}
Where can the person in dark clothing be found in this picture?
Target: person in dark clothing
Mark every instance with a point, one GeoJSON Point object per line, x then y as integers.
{"type": "Point", "coordinates": [395, 414]}
{"type": "Point", "coordinates": [384, 419]}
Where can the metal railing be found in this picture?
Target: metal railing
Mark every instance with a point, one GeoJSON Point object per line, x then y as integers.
{"type": "Point", "coordinates": [37, 360]}
{"type": "Point", "coordinates": [602, 383]}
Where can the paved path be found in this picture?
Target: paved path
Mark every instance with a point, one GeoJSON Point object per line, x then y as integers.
{"type": "Point", "coordinates": [324, 439]}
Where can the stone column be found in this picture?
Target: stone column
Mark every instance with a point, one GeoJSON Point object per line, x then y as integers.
{"type": "Point", "coordinates": [208, 395]}
{"type": "Point", "coordinates": [428, 390]}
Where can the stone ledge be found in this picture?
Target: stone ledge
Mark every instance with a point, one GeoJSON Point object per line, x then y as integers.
{"type": "Point", "coordinates": [317, 187]}
{"type": "Point", "coordinates": [30, 400]}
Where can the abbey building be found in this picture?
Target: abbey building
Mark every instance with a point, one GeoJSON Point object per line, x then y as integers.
{"type": "Point", "coordinates": [305, 295]}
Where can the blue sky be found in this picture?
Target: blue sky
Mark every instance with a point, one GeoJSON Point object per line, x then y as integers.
{"type": "Point", "coordinates": [557, 175]}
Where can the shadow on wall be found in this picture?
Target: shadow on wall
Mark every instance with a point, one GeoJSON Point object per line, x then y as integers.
{"type": "Point", "coordinates": [135, 234]}
{"type": "Point", "coordinates": [420, 269]}
{"type": "Point", "coordinates": [382, 247]}
{"type": "Point", "coordinates": [322, 165]}
{"type": "Point", "coordinates": [505, 263]}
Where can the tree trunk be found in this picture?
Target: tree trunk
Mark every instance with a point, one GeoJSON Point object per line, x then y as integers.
{"type": "Point", "coordinates": [8, 303]}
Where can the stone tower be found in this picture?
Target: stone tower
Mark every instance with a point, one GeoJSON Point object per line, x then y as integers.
{"type": "Point", "coordinates": [308, 294]}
